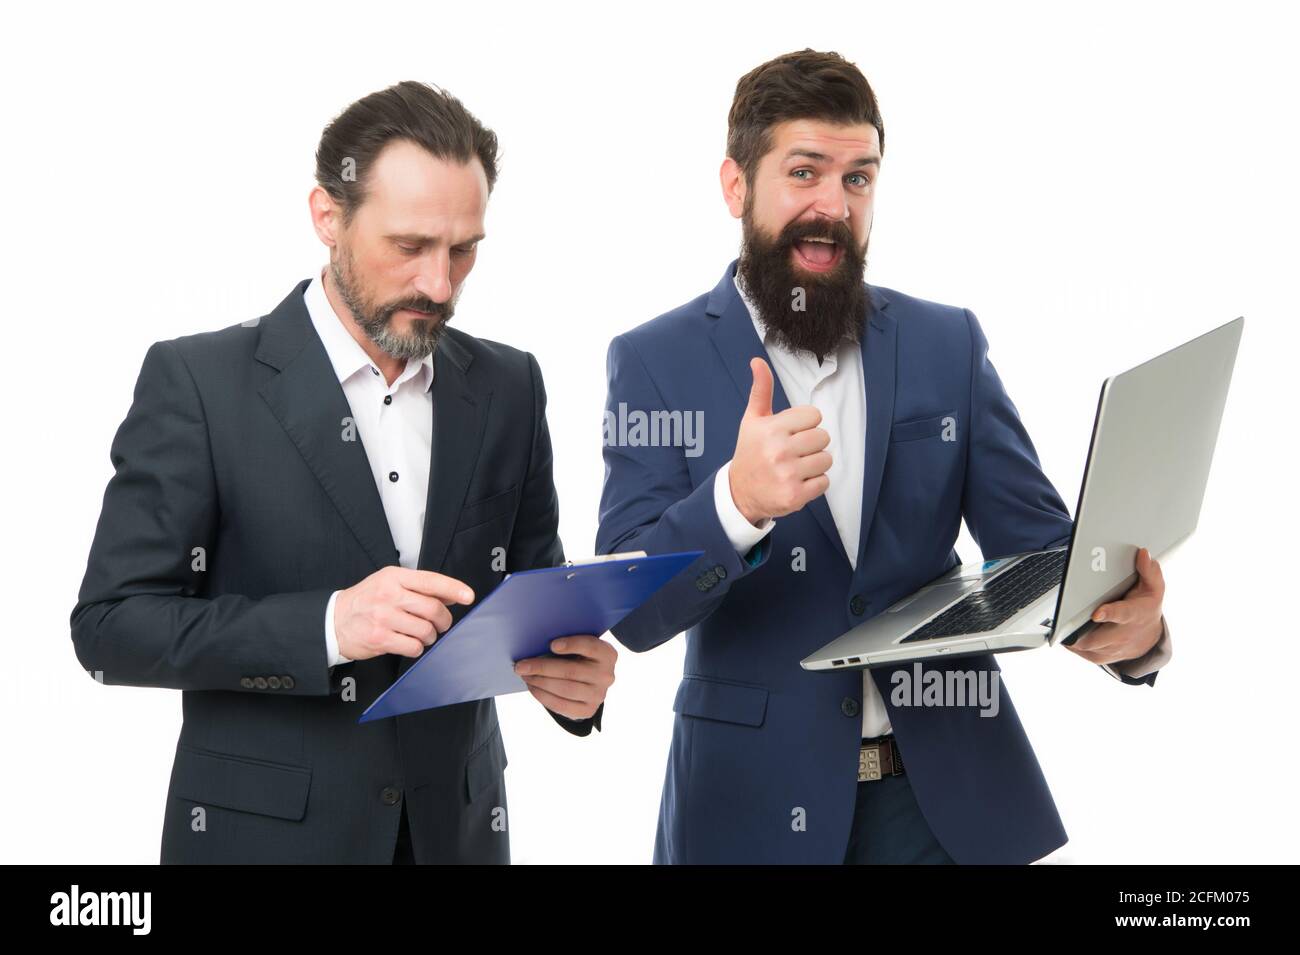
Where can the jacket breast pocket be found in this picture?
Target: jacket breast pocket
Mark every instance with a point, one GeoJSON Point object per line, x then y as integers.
{"type": "Point", "coordinates": [488, 509]}
{"type": "Point", "coordinates": [711, 699]}
{"type": "Point", "coordinates": [926, 426]}
{"type": "Point", "coordinates": [239, 782]}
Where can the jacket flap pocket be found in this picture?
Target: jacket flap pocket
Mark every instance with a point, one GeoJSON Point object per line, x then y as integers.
{"type": "Point", "coordinates": [717, 700]}
{"type": "Point", "coordinates": [490, 508]}
{"type": "Point", "coordinates": [485, 765]}
{"type": "Point", "coordinates": [238, 782]}
{"type": "Point", "coordinates": [921, 427]}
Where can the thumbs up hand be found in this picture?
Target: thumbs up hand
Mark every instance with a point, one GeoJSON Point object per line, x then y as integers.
{"type": "Point", "coordinates": [781, 460]}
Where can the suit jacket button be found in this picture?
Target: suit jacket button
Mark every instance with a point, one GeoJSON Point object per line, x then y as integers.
{"type": "Point", "coordinates": [849, 706]}
{"type": "Point", "coordinates": [857, 605]}
{"type": "Point", "coordinates": [246, 682]}
{"type": "Point", "coordinates": [286, 681]}
{"type": "Point", "coordinates": [720, 571]}
{"type": "Point", "coordinates": [260, 682]}
{"type": "Point", "coordinates": [390, 796]}
{"type": "Point", "coordinates": [273, 682]}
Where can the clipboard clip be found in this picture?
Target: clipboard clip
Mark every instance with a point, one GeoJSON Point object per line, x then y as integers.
{"type": "Point", "coordinates": [626, 555]}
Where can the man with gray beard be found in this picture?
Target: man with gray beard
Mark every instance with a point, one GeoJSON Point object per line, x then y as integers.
{"type": "Point", "coordinates": [303, 503]}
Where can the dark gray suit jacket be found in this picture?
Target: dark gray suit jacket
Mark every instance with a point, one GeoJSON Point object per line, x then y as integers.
{"type": "Point", "coordinates": [236, 508]}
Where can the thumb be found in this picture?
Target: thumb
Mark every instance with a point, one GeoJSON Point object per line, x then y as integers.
{"type": "Point", "coordinates": [760, 393]}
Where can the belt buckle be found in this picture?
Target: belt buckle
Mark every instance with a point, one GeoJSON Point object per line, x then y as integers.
{"type": "Point", "coordinates": [869, 762]}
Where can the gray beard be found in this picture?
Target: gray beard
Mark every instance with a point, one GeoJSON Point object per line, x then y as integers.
{"type": "Point", "coordinates": [419, 343]}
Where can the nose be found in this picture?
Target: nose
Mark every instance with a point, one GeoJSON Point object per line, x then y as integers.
{"type": "Point", "coordinates": [831, 200]}
{"type": "Point", "coordinates": [434, 278]}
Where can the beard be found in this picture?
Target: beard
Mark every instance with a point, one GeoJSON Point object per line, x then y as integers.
{"type": "Point", "coordinates": [834, 304]}
{"type": "Point", "coordinates": [377, 320]}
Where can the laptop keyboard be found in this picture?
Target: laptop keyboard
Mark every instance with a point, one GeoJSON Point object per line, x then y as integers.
{"type": "Point", "coordinates": [998, 600]}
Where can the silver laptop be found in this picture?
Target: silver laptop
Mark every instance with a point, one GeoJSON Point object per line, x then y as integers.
{"type": "Point", "coordinates": [1152, 442]}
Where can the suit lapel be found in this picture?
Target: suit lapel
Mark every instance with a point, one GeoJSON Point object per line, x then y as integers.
{"type": "Point", "coordinates": [879, 368]}
{"type": "Point", "coordinates": [459, 416]}
{"type": "Point", "coordinates": [308, 401]}
{"type": "Point", "coordinates": [738, 343]}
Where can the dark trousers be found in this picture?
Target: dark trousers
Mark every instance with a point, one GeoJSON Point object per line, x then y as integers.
{"type": "Point", "coordinates": [403, 854]}
{"type": "Point", "coordinates": [888, 827]}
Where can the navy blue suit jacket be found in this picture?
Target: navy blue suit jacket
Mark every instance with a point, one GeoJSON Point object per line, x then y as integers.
{"type": "Point", "coordinates": [759, 743]}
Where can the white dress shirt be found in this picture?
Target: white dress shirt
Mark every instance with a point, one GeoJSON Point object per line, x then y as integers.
{"type": "Point", "coordinates": [395, 426]}
{"type": "Point", "coordinates": [837, 388]}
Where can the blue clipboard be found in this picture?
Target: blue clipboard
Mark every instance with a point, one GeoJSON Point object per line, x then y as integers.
{"type": "Point", "coordinates": [474, 660]}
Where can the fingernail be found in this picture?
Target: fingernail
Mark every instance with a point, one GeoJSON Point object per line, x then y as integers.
{"type": "Point", "coordinates": [467, 595]}
{"type": "Point", "coordinates": [1101, 615]}
{"type": "Point", "coordinates": [558, 646]}
{"type": "Point", "coordinates": [521, 668]}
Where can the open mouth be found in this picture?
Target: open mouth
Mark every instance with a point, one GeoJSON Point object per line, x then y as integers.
{"type": "Point", "coordinates": [817, 254]}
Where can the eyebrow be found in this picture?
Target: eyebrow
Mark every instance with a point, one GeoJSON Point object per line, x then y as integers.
{"type": "Point", "coordinates": [417, 239]}
{"type": "Point", "coordinates": [822, 157]}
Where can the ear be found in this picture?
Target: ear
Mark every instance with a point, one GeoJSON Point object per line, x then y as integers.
{"type": "Point", "coordinates": [325, 216]}
{"type": "Point", "coordinates": [732, 178]}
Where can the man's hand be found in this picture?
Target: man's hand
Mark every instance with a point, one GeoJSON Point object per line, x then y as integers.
{"type": "Point", "coordinates": [572, 685]}
{"type": "Point", "coordinates": [396, 610]}
{"type": "Point", "coordinates": [1133, 624]}
{"type": "Point", "coordinates": [781, 460]}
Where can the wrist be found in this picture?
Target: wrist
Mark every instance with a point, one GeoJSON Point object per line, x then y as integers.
{"type": "Point", "coordinates": [743, 505]}
{"type": "Point", "coordinates": [338, 612]}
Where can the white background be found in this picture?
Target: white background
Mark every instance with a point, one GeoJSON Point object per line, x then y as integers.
{"type": "Point", "coordinates": [1097, 183]}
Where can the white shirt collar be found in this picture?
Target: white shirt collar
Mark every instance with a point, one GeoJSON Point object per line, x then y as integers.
{"type": "Point", "coordinates": [344, 353]}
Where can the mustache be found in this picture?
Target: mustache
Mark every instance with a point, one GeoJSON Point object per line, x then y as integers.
{"type": "Point", "coordinates": [837, 232]}
{"type": "Point", "coordinates": [439, 310]}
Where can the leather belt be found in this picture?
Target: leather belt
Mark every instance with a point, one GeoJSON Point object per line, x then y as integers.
{"type": "Point", "coordinates": [879, 757]}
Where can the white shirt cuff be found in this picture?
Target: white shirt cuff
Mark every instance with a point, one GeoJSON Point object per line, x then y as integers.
{"type": "Point", "coordinates": [332, 655]}
{"type": "Point", "coordinates": [742, 534]}
{"type": "Point", "coordinates": [1150, 662]}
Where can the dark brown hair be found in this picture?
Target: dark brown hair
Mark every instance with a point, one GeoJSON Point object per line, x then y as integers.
{"type": "Point", "coordinates": [802, 85]}
{"type": "Point", "coordinates": [422, 114]}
